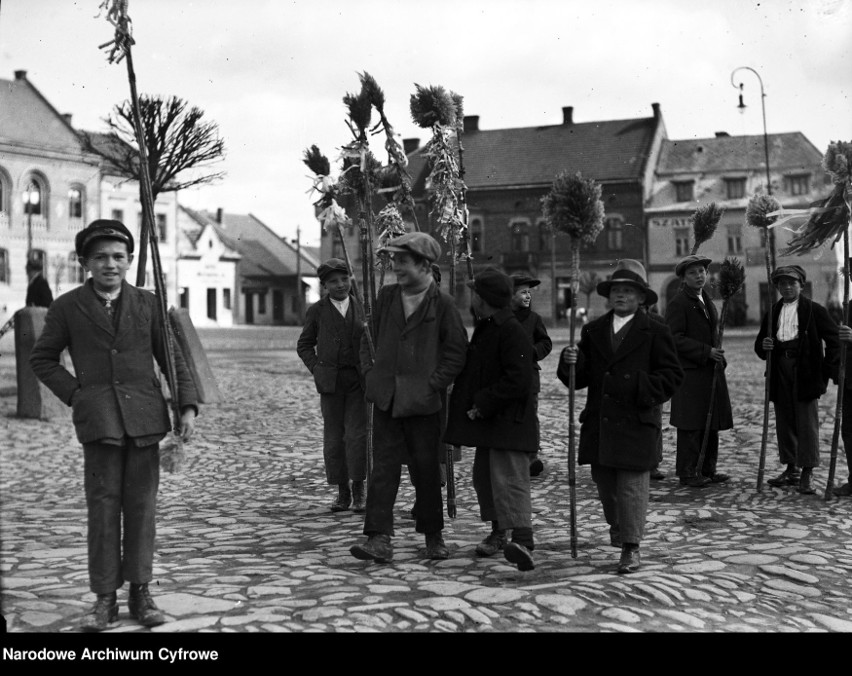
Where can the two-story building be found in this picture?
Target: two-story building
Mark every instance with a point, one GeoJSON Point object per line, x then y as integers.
{"type": "Point", "coordinates": [729, 170]}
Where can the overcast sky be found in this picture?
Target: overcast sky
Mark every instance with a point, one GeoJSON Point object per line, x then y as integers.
{"type": "Point", "coordinates": [272, 73]}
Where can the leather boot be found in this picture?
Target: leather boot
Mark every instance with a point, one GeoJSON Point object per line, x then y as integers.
{"type": "Point", "coordinates": [805, 486]}
{"type": "Point", "coordinates": [843, 491]}
{"type": "Point", "coordinates": [142, 607]}
{"type": "Point", "coordinates": [630, 560]}
{"type": "Point", "coordinates": [344, 497]}
{"type": "Point", "coordinates": [789, 477]}
{"type": "Point", "coordinates": [102, 613]}
{"type": "Point", "coordinates": [495, 541]}
{"type": "Point", "coordinates": [378, 548]}
{"type": "Point", "coordinates": [359, 498]}
{"type": "Point", "coordinates": [435, 547]}
{"type": "Point", "coordinates": [515, 552]}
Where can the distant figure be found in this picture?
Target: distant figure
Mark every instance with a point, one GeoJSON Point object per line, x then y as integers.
{"type": "Point", "coordinates": [38, 290]}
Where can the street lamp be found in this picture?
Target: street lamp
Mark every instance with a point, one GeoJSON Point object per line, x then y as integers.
{"type": "Point", "coordinates": [742, 106]}
{"type": "Point", "coordinates": [31, 198]}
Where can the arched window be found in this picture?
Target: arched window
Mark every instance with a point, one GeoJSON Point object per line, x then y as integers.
{"type": "Point", "coordinates": [520, 236]}
{"type": "Point", "coordinates": [76, 272]}
{"type": "Point", "coordinates": [5, 193]}
{"type": "Point", "coordinates": [76, 195]}
{"type": "Point", "coordinates": [39, 256]}
{"type": "Point", "coordinates": [33, 196]}
{"type": "Point", "coordinates": [614, 226]}
{"type": "Point", "coordinates": [4, 266]}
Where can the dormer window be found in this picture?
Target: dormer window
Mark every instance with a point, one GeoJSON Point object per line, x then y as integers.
{"type": "Point", "coordinates": [684, 191]}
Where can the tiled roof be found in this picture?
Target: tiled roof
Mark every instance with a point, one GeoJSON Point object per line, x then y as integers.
{"type": "Point", "coordinates": [737, 153]}
{"type": "Point", "coordinates": [109, 146]}
{"type": "Point", "coordinates": [614, 150]}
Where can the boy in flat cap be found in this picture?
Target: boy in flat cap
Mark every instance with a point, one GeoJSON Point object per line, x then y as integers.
{"type": "Point", "coordinates": [113, 332]}
{"type": "Point", "coordinates": [330, 345]}
{"type": "Point", "coordinates": [629, 363]}
{"type": "Point", "coordinates": [542, 345]}
{"type": "Point", "coordinates": [492, 408]}
{"type": "Point", "coordinates": [693, 320]}
{"type": "Point", "coordinates": [805, 354]}
{"type": "Point", "coordinates": [38, 290]}
{"type": "Point", "coordinates": [420, 344]}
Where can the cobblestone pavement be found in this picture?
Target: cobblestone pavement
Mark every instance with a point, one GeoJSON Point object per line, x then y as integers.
{"type": "Point", "coordinates": [247, 543]}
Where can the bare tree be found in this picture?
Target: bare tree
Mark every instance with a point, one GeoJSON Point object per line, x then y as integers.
{"type": "Point", "coordinates": [177, 139]}
{"type": "Point", "coordinates": [588, 284]}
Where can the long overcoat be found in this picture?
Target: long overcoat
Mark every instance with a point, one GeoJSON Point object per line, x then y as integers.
{"type": "Point", "coordinates": [416, 359]}
{"type": "Point", "coordinates": [620, 424]}
{"type": "Point", "coordinates": [542, 344]}
{"type": "Point", "coordinates": [694, 332]}
{"type": "Point", "coordinates": [497, 379]}
{"type": "Point", "coordinates": [815, 365]}
{"type": "Point", "coordinates": [321, 339]}
{"type": "Point", "coordinates": [119, 389]}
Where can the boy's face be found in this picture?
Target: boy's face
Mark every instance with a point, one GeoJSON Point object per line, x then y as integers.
{"type": "Point", "coordinates": [337, 284]}
{"type": "Point", "coordinates": [695, 277]}
{"type": "Point", "coordinates": [108, 261]}
{"type": "Point", "coordinates": [411, 275]}
{"type": "Point", "coordinates": [789, 288]}
{"type": "Point", "coordinates": [522, 297]}
{"type": "Point", "coordinates": [625, 299]}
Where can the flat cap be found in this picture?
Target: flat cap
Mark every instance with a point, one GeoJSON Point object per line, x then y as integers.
{"type": "Point", "coordinates": [520, 279]}
{"type": "Point", "coordinates": [102, 229]}
{"type": "Point", "coordinates": [418, 243]}
{"type": "Point", "coordinates": [692, 259]}
{"type": "Point", "coordinates": [493, 286]}
{"type": "Point", "coordinates": [797, 272]}
{"type": "Point", "coordinates": [332, 265]}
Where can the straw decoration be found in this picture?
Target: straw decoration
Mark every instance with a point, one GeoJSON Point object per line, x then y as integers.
{"type": "Point", "coordinates": [705, 220]}
{"type": "Point", "coordinates": [574, 207]}
{"type": "Point", "coordinates": [731, 277]}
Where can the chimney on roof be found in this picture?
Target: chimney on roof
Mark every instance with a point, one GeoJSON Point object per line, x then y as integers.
{"type": "Point", "coordinates": [656, 109]}
{"type": "Point", "coordinates": [409, 145]}
{"type": "Point", "coordinates": [67, 117]}
{"type": "Point", "coordinates": [567, 114]}
{"type": "Point", "coordinates": [722, 134]}
{"type": "Point", "coordinates": [20, 75]}
{"type": "Point", "coordinates": [220, 213]}
{"type": "Point", "coordinates": [471, 123]}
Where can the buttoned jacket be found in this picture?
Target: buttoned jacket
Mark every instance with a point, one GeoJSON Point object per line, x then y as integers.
{"type": "Point", "coordinates": [416, 359]}
{"type": "Point", "coordinates": [115, 387]}
{"type": "Point", "coordinates": [321, 339]}
{"type": "Point", "coordinates": [620, 424]}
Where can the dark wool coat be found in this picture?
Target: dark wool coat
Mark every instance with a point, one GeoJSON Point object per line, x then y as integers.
{"type": "Point", "coordinates": [38, 292]}
{"type": "Point", "coordinates": [814, 365]}
{"type": "Point", "coordinates": [119, 390]}
{"type": "Point", "coordinates": [319, 344]}
{"type": "Point", "coordinates": [694, 333]}
{"type": "Point", "coordinates": [620, 425]}
{"type": "Point", "coordinates": [496, 379]}
{"type": "Point", "coordinates": [542, 344]}
{"type": "Point", "coordinates": [416, 359]}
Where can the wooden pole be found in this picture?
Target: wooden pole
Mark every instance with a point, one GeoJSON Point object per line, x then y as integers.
{"type": "Point", "coordinates": [769, 329]}
{"type": "Point", "coordinates": [572, 455]}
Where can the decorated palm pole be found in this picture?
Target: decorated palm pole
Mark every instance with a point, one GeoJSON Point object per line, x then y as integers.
{"type": "Point", "coordinates": [574, 206]}
{"type": "Point", "coordinates": [759, 214]}
{"type": "Point", "coordinates": [437, 109]}
{"type": "Point", "coordinates": [120, 49]}
{"type": "Point", "coordinates": [830, 221]}
{"type": "Point", "coordinates": [705, 220]}
{"type": "Point", "coordinates": [731, 278]}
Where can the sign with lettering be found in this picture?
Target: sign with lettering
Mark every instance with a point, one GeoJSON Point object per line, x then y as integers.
{"type": "Point", "coordinates": [671, 222]}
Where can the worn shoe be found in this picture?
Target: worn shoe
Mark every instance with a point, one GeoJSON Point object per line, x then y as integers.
{"type": "Point", "coordinates": [630, 560]}
{"type": "Point", "coordinates": [495, 541]}
{"type": "Point", "coordinates": [142, 607]}
{"type": "Point", "coordinates": [536, 466]}
{"type": "Point", "coordinates": [843, 491]}
{"type": "Point", "coordinates": [359, 499]}
{"type": "Point", "coordinates": [519, 555]}
{"type": "Point", "coordinates": [805, 486]}
{"type": "Point", "coordinates": [719, 478]}
{"type": "Point", "coordinates": [435, 547]}
{"type": "Point", "coordinates": [102, 613]}
{"type": "Point", "coordinates": [378, 548]}
{"type": "Point", "coordinates": [344, 497]}
{"type": "Point", "coordinates": [697, 481]}
{"type": "Point", "coordinates": [789, 477]}
{"type": "Point", "coordinates": [657, 475]}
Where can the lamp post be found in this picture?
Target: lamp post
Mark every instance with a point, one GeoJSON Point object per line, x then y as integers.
{"type": "Point", "coordinates": [31, 198]}
{"type": "Point", "coordinates": [770, 236]}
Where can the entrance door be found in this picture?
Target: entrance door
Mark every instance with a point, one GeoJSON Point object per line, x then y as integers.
{"type": "Point", "coordinates": [249, 307]}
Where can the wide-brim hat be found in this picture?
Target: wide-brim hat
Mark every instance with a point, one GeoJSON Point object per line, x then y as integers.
{"type": "Point", "coordinates": [520, 279]}
{"type": "Point", "coordinates": [418, 243]}
{"type": "Point", "coordinates": [103, 228]}
{"type": "Point", "coordinates": [629, 271]}
{"type": "Point", "coordinates": [797, 272]}
{"type": "Point", "coordinates": [332, 265]}
{"type": "Point", "coordinates": [692, 259]}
